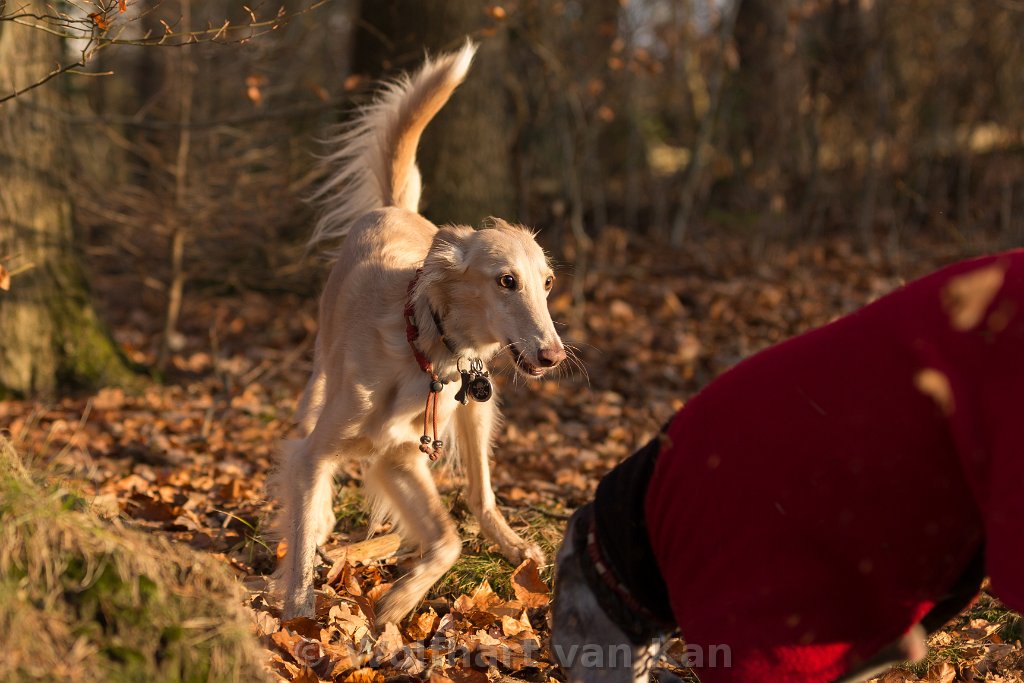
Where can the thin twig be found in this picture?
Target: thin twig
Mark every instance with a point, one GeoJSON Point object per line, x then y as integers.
{"type": "Point", "coordinates": [96, 31]}
{"type": "Point", "coordinates": [177, 283]}
{"type": "Point", "coordinates": [53, 74]}
{"type": "Point", "coordinates": [293, 112]}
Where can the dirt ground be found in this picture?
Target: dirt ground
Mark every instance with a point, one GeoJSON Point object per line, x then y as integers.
{"type": "Point", "coordinates": [187, 459]}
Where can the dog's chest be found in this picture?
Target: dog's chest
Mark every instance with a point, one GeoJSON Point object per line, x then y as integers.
{"type": "Point", "coordinates": [411, 410]}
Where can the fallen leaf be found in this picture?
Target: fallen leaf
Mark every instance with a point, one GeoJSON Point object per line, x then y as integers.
{"type": "Point", "coordinates": [304, 626]}
{"type": "Point", "coordinates": [389, 643]}
{"type": "Point", "coordinates": [966, 297]}
{"type": "Point", "coordinates": [142, 506]}
{"type": "Point", "coordinates": [484, 596]}
{"type": "Point", "coordinates": [935, 384]}
{"type": "Point", "coordinates": [365, 675]}
{"type": "Point", "coordinates": [467, 676]}
{"type": "Point", "coordinates": [350, 620]}
{"type": "Point", "coordinates": [485, 639]}
{"type": "Point", "coordinates": [421, 626]}
{"type": "Point", "coordinates": [306, 675]}
{"type": "Point", "coordinates": [344, 657]}
{"type": "Point", "coordinates": [109, 398]}
{"type": "Point", "coordinates": [266, 623]}
{"type": "Point", "coordinates": [342, 578]}
{"type": "Point", "coordinates": [942, 672]}
{"type": "Point", "coordinates": [463, 604]}
{"type": "Point", "coordinates": [513, 627]}
{"type": "Point", "coordinates": [528, 586]}
{"type": "Point", "coordinates": [377, 592]}
{"type": "Point", "coordinates": [898, 676]}
{"type": "Point", "coordinates": [285, 640]}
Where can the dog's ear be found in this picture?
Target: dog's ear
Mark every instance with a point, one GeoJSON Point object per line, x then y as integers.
{"type": "Point", "coordinates": [494, 222]}
{"type": "Point", "coordinates": [447, 254]}
{"type": "Point", "coordinates": [448, 250]}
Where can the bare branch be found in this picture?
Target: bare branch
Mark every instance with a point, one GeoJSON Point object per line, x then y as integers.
{"type": "Point", "coordinates": [101, 24]}
{"type": "Point", "coordinates": [57, 71]}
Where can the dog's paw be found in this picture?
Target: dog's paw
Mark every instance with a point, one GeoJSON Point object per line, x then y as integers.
{"type": "Point", "coordinates": [524, 550]}
{"type": "Point", "coordinates": [533, 552]}
{"type": "Point", "coordinates": [914, 645]}
{"type": "Point", "coordinates": [304, 606]}
{"type": "Point", "coordinates": [391, 608]}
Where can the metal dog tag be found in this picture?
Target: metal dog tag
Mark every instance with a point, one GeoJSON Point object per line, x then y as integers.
{"type": "Point", "coordinates": [475, 384]}
{"type": "Point", "coordinates": [480, 388]}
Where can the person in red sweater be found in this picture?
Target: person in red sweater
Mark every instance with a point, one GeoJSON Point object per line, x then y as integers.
{"type": "Point", "coordinates": [817, 508]}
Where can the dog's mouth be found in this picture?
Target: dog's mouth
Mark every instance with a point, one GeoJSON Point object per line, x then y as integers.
{"type": "Point", "coordinates": [524, 366]}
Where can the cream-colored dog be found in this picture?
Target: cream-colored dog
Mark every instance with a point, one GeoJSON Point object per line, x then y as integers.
{"type": "Point", "coordinates": [471, 294]}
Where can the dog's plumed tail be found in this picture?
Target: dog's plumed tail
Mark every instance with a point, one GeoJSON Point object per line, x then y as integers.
{"type": "Point", "coordinates": [373, 162]}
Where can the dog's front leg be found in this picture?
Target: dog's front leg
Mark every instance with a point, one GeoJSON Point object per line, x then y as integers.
{"type": "Point", "coordinates": [912, 646]}
{"type": "Point", "coordinates": [401, 478]}
{"type": "Point", "coordinates": [475, 429]}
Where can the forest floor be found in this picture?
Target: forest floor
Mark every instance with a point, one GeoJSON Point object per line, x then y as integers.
{"type": "Point", "coordinates": [187, 459]}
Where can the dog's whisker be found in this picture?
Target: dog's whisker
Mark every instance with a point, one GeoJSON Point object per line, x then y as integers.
{"type": "Point", "coordinates": [573, 361]}
{"type": "Point", "coordinates": [579, 345]}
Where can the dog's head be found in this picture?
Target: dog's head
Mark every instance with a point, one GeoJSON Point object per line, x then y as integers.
{"type": "Point", "coordinates": [491, 287]}
{"type": "Point", "coordinates": [589, 646]}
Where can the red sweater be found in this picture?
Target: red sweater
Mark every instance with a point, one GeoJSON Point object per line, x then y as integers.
{"type": "Point", "coordinates": [814, 502]}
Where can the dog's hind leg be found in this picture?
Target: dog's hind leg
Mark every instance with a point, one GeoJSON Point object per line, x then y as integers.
{"type": "Point", "coordinates": [401, 477]}
{"type": "Point", "coordinates": [312, 402]}
{"type": "Point", "coordinates": [475, 424]}
{"type": "Point", "coordinates": [306, 483]}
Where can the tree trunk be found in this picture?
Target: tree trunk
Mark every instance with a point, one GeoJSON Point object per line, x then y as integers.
{"type": "Point", "coordinates": [465, 154]}
{"type": "Point", "coordinates": [771, 84]}
{"type": "Point", "coordinates": [49, 333]}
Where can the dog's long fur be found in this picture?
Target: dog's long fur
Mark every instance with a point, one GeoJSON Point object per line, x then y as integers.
{"type": "Point", "coordinates": [366, 396]}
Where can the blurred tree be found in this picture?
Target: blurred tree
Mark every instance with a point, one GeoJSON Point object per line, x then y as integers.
{"type": "Point", "coordinates": [465, 155]}
{"type": "Point", "coordinates": [211, 150]}
{"type": "Point", "coordinates": [49, 331]}
{"type": "Point", "coordinates": [770, 86]}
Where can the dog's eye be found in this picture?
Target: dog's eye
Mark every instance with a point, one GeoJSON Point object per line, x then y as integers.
{"type": "Point", "coordinates": [549, 282]}
{"type": "Point", "coordinates": [507, 281]}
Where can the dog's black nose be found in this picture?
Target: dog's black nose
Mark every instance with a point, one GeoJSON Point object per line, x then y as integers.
{"type": "Point", "coordinates": [551, 357]}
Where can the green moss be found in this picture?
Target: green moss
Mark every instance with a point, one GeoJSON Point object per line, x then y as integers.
{"type": "Point", "coordinates": [472, 569]}
{"type": "Point", "coordinates": [57, 339]}
{"type": "Point", "coordinates": [351, 509]}
{"type": "Point", "coordinates": [87, 354]}
{"type": "Point", "coordinates": [106, 602]}
{"type": "Point", "coordinates": [477, 564]}
{"type": "Point", "coordinates": [1007, 626]}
